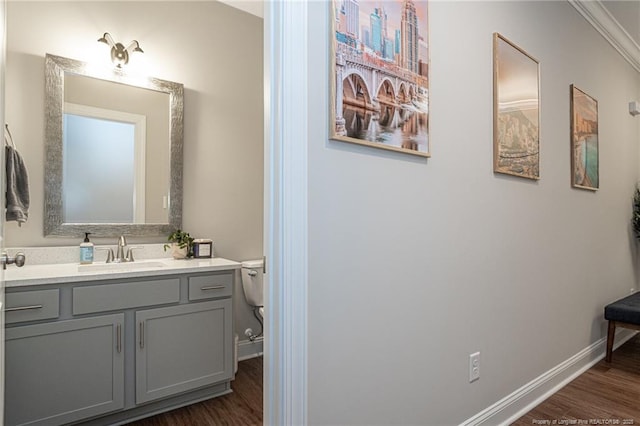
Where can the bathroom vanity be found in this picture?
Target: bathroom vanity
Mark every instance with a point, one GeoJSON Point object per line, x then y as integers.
{"type": "Point", "coordinates": [108, 343]}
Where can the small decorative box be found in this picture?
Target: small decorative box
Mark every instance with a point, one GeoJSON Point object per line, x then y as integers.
{"type": "Point", "coordinates": [202, 248]}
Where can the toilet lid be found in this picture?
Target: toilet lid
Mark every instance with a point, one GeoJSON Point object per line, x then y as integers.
{"type": "Point", "coordinates": [251, 264]}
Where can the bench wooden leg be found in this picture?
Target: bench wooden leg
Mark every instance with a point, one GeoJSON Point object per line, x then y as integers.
{"type": "Point", "coordinates": [610, 336]}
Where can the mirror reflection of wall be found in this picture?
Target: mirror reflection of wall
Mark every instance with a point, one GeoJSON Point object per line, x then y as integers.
{"type": "Point", "coordinates": [139, 195]}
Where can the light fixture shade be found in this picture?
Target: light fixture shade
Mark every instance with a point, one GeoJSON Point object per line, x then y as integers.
{"type": "Point", "coordinates": [107, 39]}
{"type": "Point", "coordinates": [134, 46]}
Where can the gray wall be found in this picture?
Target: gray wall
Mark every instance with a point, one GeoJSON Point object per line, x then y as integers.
{"type": "Point", "coordinates": [414, 264]}
{"type": "Point", "coordinates": [214, 50]}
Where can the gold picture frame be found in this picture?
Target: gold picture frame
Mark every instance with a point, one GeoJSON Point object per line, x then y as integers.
{"type": "Point", "coordinates": [585, 162]}
{"type": "Point", "coordinates": [516, 110]}
{"type": "Point", "coordinates": [380, 74]}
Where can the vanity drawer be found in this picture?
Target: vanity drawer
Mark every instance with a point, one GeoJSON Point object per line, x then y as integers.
{"type": "Point", "coordinates": [31, 305]}
{"type": "Point", "coordinates": [210, 286]}
{"type": "Point", "coordinates": [111, 297]}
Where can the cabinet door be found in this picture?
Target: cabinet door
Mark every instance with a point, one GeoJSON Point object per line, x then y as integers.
{"type": "Point", "coordinates": [184, 347]}
{"type": "Point", "coordinates": [60, 372]}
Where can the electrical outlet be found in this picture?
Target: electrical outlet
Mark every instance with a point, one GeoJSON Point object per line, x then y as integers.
{"type": "Point", "coordinates": [633, 290]}
{"type": "Point", "coordinates": [474, 367]}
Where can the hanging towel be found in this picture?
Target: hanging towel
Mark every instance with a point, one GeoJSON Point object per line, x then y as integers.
{"type": "Point", "coordinates": [17, 202]}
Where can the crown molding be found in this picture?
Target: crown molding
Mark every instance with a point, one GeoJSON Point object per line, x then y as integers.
{"type": "Point", "coordinates": [595, 12]}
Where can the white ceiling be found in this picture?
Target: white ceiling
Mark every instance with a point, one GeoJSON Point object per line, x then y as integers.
{"type": "Point", "coordinates": [254, 7]}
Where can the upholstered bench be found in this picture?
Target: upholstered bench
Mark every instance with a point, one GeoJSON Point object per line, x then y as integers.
{"type": "Point", "coordinates": [622, 313]}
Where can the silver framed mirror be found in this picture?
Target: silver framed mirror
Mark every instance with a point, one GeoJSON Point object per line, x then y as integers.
{"type": "Point", "coordinates": [147, 176]}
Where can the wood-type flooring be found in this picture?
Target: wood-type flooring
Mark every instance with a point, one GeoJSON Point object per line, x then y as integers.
{"type": "Point", "coordinates": [242, 407]}
{"type": "Point", "coordinates": [606, 394]}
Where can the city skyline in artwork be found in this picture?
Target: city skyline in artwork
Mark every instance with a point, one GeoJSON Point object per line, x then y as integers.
{"type": "Point", "coordinates": [381, 70]}
{"type": "Point", "coordinates": [379, 26]}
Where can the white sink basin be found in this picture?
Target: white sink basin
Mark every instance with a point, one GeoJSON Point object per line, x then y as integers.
{"type": "Point", "coordinates": [121, 267]}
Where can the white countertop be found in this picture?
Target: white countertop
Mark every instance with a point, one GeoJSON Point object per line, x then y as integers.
{"type": "Point", "coordinates": [30, 275]}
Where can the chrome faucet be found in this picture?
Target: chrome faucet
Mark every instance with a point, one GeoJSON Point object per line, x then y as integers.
{"type": "Point", "coordinates": [120, 251]}
{"type": "Point", "coordinates": [120, 256]}
{"type": "Point", "coordinates": [109, 251]}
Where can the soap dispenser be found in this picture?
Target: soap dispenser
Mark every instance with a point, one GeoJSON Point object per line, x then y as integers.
{"type": "Point", "coordinates": [86, 250]}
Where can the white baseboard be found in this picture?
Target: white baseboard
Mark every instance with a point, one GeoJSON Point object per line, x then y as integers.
{"type": "Point", "coordinates": [523, 400]}
{"type": "Point", "coordinates": [248, 349]}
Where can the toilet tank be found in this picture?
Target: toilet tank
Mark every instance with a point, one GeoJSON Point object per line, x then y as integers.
{"type": "Point", "coordinates": [252, 282]}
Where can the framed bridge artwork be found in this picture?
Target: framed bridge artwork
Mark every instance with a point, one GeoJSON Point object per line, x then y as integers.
{"type": "Point", "coordinates": [516, 110]}
{"type": "Point", "coordinates": [380, 78]}
{"type": "Point", "coordinates": [584, 140]}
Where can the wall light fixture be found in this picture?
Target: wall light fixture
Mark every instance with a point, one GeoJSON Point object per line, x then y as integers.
{"type": "Point", "coordinates": [119, 53]}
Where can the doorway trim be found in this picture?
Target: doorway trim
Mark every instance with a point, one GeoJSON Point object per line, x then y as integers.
{"type": "Point", "coordinates": [3, 67]}
{"type": "Point", "coordinates": [285, 218]}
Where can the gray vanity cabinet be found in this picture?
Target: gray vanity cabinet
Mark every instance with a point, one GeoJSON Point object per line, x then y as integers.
{"type": "Point", "coordinates": [61, 372]}
{"type": "Point", "coordinates": [183, 347]}
{"type": "Point", "coordinates": [105, 351]}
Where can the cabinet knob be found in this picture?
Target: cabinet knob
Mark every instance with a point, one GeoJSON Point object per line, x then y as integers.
{"type": "Point", "coordinates": [19, 259]}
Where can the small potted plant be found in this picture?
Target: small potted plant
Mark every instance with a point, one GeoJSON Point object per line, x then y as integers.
{"type": "Point", "coordinates": [181, 244]}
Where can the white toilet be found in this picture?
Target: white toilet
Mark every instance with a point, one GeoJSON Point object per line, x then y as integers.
{"type": "Point", "coordinates": [252, 284]}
